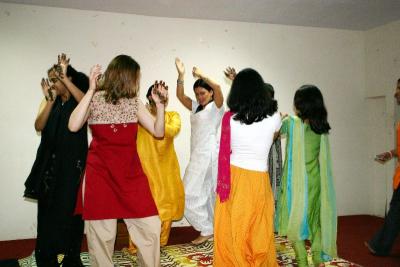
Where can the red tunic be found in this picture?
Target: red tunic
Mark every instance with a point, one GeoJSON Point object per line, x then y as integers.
{"type": "Point", "coordinates": [115, 184]}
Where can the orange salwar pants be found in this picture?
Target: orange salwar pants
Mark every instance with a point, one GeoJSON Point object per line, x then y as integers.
{"type": "Point", "coordinates": [244, 224]}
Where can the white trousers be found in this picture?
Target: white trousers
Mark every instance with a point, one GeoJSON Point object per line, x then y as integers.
{"type": "Point", "coordinates": [199, 206]}
{"type": "Point", "coordinates": [145, 232]}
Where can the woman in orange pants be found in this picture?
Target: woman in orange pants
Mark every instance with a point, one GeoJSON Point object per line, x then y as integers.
{"type": "Point", "coordinates": [244, 212]}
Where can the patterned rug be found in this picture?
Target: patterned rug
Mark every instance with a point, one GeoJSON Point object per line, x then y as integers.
{"type": "Point", "coordinates": [190, 255]}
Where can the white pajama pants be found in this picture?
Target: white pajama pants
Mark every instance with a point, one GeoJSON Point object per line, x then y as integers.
{"type": "Point", "coordinates": [199, 206]}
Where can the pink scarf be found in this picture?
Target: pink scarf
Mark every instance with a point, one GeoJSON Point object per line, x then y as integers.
{"type": "Point", "coordinates": [224, 159]}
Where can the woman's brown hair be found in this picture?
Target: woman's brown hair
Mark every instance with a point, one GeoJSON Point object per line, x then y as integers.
{"type": "Point", "coordinates": [120, 79]}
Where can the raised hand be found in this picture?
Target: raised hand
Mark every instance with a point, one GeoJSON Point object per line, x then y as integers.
{"type": "Point", "coordinates": [94, 76]}
{"type": "Point", "coordinates": [230, 73]}
{"type": "Point", "coordinates": [63, 62]}
{"type": "Point", "coordinates": [197, 72]}
{"type": "Point", "coordinates": [48, 90]}
{"type": "Point", "coordinates": [383, 157]}
{"type": "Point", "coordinates": [60, 69]}
{"type": "Point", "coordinates": [179, 66]}
{"type": "Point", "coordinates": [159, 94]}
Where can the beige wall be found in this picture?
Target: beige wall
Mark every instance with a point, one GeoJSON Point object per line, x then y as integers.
{"type": "Point", "coordinates": [31, 37]}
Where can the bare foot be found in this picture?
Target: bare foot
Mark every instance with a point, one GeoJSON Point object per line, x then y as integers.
{"type": "Point", "coordinates": [201, 239]}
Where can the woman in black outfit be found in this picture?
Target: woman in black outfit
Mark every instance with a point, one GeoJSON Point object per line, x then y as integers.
{"type": "Point", "coordinates": [59, 163]}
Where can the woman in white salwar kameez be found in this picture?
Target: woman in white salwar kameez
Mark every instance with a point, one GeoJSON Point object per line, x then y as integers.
{"type": "Point", "coordinates": [201, 173]}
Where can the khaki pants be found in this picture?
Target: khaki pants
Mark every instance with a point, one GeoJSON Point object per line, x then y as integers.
{"type": "Point", "coordinates": [164, 236]}
{"type": "Point", "coordinates": [145, 232]}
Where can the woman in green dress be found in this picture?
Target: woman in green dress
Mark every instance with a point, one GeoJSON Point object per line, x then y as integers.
{"type": "Point", "coordinates": [307, 203]}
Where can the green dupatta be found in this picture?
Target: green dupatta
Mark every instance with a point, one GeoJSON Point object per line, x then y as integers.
{"type": "Point", "coordinates": [293, 199]}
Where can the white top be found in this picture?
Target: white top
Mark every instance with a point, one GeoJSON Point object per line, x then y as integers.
{"type": "Point", "coordinates": [204, 127]}
{"type": "Point", "coordinates": [250, 144]}
{"type": "Point", "coordinates": [202, 169]}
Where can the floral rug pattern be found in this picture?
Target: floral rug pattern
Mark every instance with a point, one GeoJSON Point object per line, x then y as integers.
{"type": "Point", "coordinates": [190, 255]}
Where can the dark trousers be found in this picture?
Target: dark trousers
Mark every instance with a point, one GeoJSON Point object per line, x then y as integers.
{"type": "Point", "coordinates": [384, 239]}
{"type": "Point", "coordinates": [59, 231]}
{"type": "Point", "coordinates": [47, 245]}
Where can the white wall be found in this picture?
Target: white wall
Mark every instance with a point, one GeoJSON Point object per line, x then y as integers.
{"type": "Point", "coordinates": [31, 37]}
{"type": "Point", "coordinates": [382, 50]}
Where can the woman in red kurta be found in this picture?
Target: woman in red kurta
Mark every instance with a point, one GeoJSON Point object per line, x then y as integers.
{"type": "Point", "coordinates": [115, 185]}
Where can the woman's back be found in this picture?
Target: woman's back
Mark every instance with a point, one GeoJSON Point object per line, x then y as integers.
{"type": "Point", "coordinates": [102, 112]}
{"type": "Point", "coordinates": [251, 143]}
{"type": "Point", "coordinates": [312, 143]}
{"type": "Point", "coordinates": [113, 163]}
{"type": "Point", "coordinates": [113, 124]}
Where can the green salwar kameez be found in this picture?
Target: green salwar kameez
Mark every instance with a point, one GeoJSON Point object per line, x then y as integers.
{"type": "Point", "coordinates": [307, 205]}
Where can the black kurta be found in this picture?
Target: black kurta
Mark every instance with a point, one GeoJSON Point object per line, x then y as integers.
{"type": "Point", "coordinates": [54, 182]}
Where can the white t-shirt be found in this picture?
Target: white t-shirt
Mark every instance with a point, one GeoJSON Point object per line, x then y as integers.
{"type": "Point", "coordinates": [250, 144]}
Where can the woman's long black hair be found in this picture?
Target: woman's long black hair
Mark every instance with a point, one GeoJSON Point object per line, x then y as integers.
{"type": "Point", "coordinates": [309, 103]}
{"type": "Point", "coordinates": [79, 79]}
{"type": "Point", "coordinates": [249, 99]}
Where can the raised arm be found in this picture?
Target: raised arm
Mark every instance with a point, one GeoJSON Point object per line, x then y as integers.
{"type": "Point", "coordinates": [155, 127]}
{"type": "Point", "coordinates": [63, 62]}
{"type": "Point", "coordinates": [218, 96]}
{"type": "Point", "coordinates": [45, 106]}
{"type": "Point", "coordinates": [81, 113]}
{"type": "Point", "coordinates": [180, 92]}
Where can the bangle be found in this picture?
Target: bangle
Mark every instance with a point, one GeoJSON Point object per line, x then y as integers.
{"type": "Point", "coordinates": [179, 82]}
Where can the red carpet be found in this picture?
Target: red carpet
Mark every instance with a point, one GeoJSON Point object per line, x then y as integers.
{"type": "Point", "coordinates": [353, 231]}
